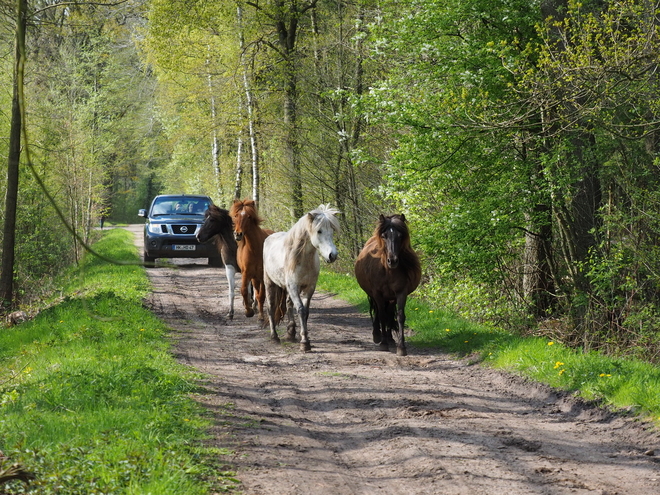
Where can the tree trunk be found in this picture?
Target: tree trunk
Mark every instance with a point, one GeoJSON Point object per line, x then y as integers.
{"type": "Point", "coordinates": [538, 286]}
{"type": "Point", "coordinates": [287, 31]}
{"type": "Point", "coordinates": [238, 179]}
{"type": "Point", "coordinates": [215, 147]}
{"type": "Point", "coordinates": [249, 103]}
{"type": "Point", "coordinates": [11, 198]}
{"type": "Point", "coordinates": [291, 140]}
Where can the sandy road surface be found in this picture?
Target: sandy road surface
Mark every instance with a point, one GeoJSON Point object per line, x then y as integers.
{"type": "Point", "coordinates": [348, 419]}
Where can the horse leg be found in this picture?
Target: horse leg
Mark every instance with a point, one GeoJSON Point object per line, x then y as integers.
{"type": "Point", "coordinates": [390, 322]}
{"type": "Point", "coordinates": [230, 272]}
{"type": "Point", "coordinates": [401, 320]}
{"type": "Point", "coordinates": [253, 299]}
{"type": "Point", "coordinates": [380, 325]}
{"type": "Point", "coordinates": [291, 325]}
{"type": "Point", "coordinates": [245, 292]}
{"type": "Point", "coordinates": [303, 312]}
{"type": "Point", "coordinates": [387, 338]}
{"type": "Point", "coordinates": [375, 321]}
{"type": "Point", "coordinates": [259, 297]}
{"type": "Point", "coordinates": [272, 302]}
{"type": "Point", "coordinates": [376, 333]}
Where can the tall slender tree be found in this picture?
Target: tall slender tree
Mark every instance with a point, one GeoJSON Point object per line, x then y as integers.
{"type": "Point", "coordinates": [285, 16]}
{"type": "Point", "coordinates": [13, 162]}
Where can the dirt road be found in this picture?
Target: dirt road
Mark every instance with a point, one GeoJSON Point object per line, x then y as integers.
{"type": "Point", "coordinates": [348, 419]}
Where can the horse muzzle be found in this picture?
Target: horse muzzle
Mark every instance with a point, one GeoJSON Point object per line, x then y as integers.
{"type": "Point", "coordinates": [332, 257]}
{"type": "Point", "coordinates": [392, 262]}
{"type": "Point", "coordinates": [238, 236]}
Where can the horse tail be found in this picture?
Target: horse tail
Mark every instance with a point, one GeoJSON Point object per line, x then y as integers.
{"type": "Point", "coordinates": [372, 307]}
{"type": "Point", "coordinates": [280, 304]}
{"type": "Point", "coordinates": [390, 316]}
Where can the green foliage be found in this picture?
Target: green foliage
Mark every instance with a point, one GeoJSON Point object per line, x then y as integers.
{"type": "Point", "coordinates": [463, 184]}
{"type": "Point", "coordinates": [514, 127]}
{"type": "Point", "coordinates": [92, 400]}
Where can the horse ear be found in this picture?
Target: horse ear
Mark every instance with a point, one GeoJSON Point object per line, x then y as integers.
{"type": "Point", "coordinates": [403, 217]}
{"type": "Point", "coordinates": [381, 218]}
{"type": "Point", "coordinates": [236, 200]}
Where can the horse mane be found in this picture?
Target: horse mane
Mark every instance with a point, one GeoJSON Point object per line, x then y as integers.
{"type": "Point", "coordinates": [249, 207]}
{"type": "Point", "coordinates": [408, 259]}
{"type": "Point", "coordinates": [299, 235]}
{"type": "Point", "coordinates": [221, 217]}
{"type": "Point", "coordinates": [219, 214]}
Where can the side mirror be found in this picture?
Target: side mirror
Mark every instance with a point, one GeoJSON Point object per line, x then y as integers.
{"type": "Point", "coordinates": [142, 213]}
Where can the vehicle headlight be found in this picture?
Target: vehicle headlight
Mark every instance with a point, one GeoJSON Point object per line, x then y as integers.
{"type": "Point", "coordinates": [156, 228]}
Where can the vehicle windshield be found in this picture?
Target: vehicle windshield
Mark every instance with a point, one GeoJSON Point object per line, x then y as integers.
{"type": "Point", "coordinates": [180, 206]}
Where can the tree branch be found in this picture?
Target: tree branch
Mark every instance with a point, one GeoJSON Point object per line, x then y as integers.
{"type": "Point", "coordinates": [65, 4]}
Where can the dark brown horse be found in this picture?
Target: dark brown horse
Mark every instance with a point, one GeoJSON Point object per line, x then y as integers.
{"type": "Point", "coordinates": [250, 237]}
{"type": "Point", "coordinates": [217, 221]}
{"type": "Point", "coordinates": [388, 269]}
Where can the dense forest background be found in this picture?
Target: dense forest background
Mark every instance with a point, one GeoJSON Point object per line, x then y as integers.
{"type": "Point", "coordinates": [520, 138]}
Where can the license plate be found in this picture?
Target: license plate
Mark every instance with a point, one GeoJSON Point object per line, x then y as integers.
{"type": "Point", "coordinates": [184, 247]}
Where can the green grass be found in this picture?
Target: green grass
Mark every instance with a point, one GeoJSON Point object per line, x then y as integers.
{"type": "Point", "coordinates": [91, 399]}
{"type": "Point", "coordinates": [627, 385]}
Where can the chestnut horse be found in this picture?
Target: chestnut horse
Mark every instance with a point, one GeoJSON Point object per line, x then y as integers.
{"type": "Point", "coordinates": [217, 221]}
{"type": "Point", "coordinates": [250, 238]}
{"type": "Point", "coordinates": [388, 269]}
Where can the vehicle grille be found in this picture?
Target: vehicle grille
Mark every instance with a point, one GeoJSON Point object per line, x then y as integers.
{"type": "Point", "coordinates": [184, 229]}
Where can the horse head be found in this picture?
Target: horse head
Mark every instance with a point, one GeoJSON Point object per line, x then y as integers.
{"type": "Point", "coordinates": [322, 225]}
{"type": "Point", "coordinates": [245, 216]}
{"type": "Point", "coordinates": [216, 221]}
{"type": "Point", "coordinates": [394, 236]}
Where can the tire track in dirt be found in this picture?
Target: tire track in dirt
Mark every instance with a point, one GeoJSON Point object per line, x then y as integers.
{"type": "Point", "coordinates": [348, 419]}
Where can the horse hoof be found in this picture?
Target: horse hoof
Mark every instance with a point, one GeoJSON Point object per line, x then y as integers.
{"type": "Point", "coordinates": [305, 346]}
{"type": "Point", "coordinates": [275, 338]}
{"type": "Point", "coordinates": [377, 337]}
{"type": "Point", "coordinates": [401, 351]}
{"type": "Point", "coordinates": [384, 346]}
{"type": "Point", "coordinates": [291, 337]}
{"type": "Point", "coordinates": [249, 313]}
{"type": "Point", "coordinates": [230, 315]}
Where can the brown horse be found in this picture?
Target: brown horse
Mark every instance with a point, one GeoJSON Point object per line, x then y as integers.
{"type": "Point", "coordinates": [388, 269]}
{"type": "Point", "coordinates": [250, 238]}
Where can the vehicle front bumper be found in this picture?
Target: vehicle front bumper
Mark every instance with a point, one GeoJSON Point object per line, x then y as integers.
{"type": "Point", "coordinates": [181, 247]}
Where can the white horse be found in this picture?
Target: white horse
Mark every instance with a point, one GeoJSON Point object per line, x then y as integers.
{"type": "Point", "coordinates": [291, 268]}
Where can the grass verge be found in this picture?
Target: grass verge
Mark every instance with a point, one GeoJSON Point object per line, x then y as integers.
{"type": "Point", "coordinates": [622, 384]}
{"type": "Point", "coordinates": [91, 399]}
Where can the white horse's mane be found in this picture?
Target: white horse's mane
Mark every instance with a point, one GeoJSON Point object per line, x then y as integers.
{"type": "Point", "coordinates": [325, 214]}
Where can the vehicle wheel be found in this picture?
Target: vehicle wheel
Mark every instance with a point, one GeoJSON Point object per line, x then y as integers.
{"type": "Point", "coordinates": [148, 260]}
{"type": "Point", "coordinates": [216, 262]}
